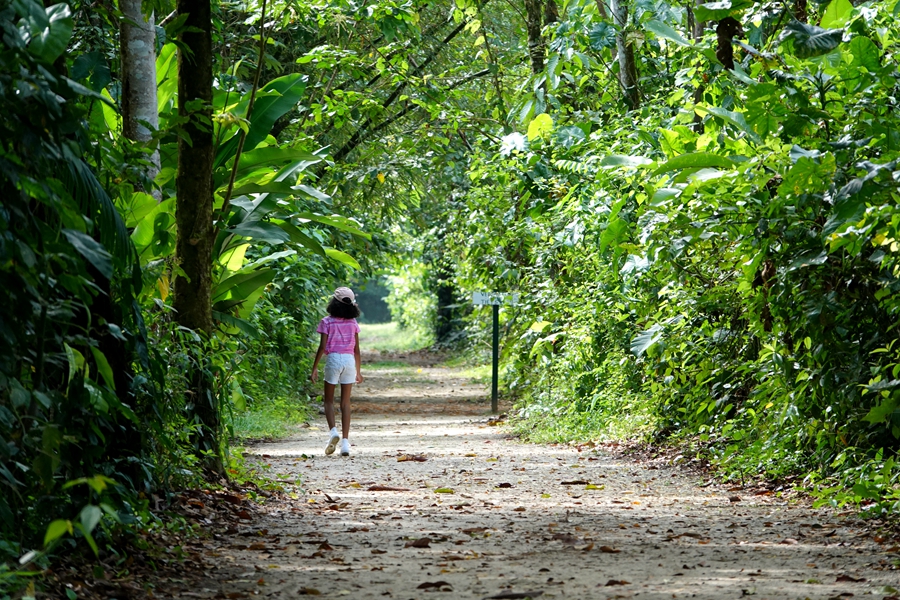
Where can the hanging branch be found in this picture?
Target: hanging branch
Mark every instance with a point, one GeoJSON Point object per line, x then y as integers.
{"type": "Point", "coordinates": [226, 204]}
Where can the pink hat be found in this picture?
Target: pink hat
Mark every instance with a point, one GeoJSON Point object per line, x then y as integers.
{"type": "Point", "coordinates": [345, 294]}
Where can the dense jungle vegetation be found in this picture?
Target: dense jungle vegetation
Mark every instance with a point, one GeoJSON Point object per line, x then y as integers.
{"type": "Point", "coordinates": [697, 204]}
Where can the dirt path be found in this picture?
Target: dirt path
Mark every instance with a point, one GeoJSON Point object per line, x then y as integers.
{"type": "Point", "coordinates": [483, 515]}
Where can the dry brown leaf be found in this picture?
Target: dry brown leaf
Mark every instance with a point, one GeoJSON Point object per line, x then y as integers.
{"type": "Point", "coordinates": [609, 550]}
{"type": "Point", "coordinates": [433, 584]}
{"type": "Point", "coordinates": [515, 595]}
{"type": "Point", "coordinates": [412, 457]}
{"type": "Point", "coordinates": [618, 582]}
{"type": "Point", "coordinates": [386, 488]}
{"type": "Point", "coordinates": [850, 579]}
{"type": "Point", "coordinates": [576, 482]}
{"type": "Point", "coordinates": [419, 543]}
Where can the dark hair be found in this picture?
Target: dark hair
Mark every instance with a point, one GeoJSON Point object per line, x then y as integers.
{"type": "Point", "coordinates": [341, 309]}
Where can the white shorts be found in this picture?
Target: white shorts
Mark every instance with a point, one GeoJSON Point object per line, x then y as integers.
{"type": "Point", "coordinates": [340, 368]}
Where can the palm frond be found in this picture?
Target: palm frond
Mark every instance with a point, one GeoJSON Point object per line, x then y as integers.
{"type": "Point", "coordinates": [95, 202]}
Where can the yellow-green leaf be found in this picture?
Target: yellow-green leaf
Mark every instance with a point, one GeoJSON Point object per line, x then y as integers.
{"type": "Point", "coordinates": [540, 126]}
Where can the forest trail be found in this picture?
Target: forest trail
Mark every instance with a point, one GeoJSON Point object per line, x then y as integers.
{"type": "Point", "coordinates": [522, 520]}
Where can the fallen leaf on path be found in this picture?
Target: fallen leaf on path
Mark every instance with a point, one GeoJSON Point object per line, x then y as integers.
{"type": "Point", "coordinates": [433, 584]}
{"type": "Point", "coordinates": [444, 490]}
{"type": "Point", "coordinates": [850, 578]}
{"type": "Point", "coordinates": [576, 482]}
{"type": "Point", "coordinates": [515, 595]}
{"type": "Point", "coordinates": [617, 582]}
{"type": "Point", "coordinates": [609, 550]}
{"type": "Point", "coordinates": [471, 454]}
{"type": "Point", "coordinates": [377, 551]}
{"type": "Point", "coordinates": [734, 498]}
{"type": "Point", "coordinates": [412, 457]}
{"type": "Point", "coordinates": [419, 543]}
{"type": "Point", "coordinates": [591, 486]}
{"type": "Point", "coordinates": [472, 530]}
{"type": "Point", "coordinates": [504, 485]}
{"type": "Point", "coordinates": [309, 592]}
{"type": "Point", "coordinates": [386, 488]}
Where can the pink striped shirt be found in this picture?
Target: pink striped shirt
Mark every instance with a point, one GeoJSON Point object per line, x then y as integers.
{"type": "Point", "coordinates": [341, 334]}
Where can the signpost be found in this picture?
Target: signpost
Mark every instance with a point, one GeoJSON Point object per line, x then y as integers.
{"type": "Point", "coordinates": [494, 299]}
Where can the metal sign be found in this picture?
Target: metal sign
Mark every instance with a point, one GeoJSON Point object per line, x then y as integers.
{"type": "Point", "coordinates": [494, 298]}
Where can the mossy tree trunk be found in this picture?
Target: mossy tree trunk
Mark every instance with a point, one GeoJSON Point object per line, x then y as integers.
{"type": "Point", "coordinates": [193, 211]}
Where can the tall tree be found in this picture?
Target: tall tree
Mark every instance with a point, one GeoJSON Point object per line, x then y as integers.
{"type": "Point", "coordinates": [194, 202]}
{"type": "Point", "coordinates": [627, 67]}
{"type": "Point", "coordinates": [533, 25]}
{"type": "Point", "coordinates": [140, 118]}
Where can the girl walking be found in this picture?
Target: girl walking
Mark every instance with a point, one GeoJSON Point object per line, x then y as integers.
{"type": "Point", "coordinates": [340, 343]}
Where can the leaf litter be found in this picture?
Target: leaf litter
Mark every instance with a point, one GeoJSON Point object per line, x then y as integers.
{"type": "Point", "coordinates": [512, 528]}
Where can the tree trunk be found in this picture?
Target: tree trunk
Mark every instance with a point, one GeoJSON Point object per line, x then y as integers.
{"type": "Point", "coordinates": [551, 12]}
{"type": "Point", "coordinates": [140, 118]}
{"type": "Point", "coordinates": [193, 207]}
{"type": "Point", "coordinates": [697, 33]}
{"type": "Point", "coordinates": [800, 12]}
{"type": "Point", "coordinates": [533, 25]}
{"type": "Point", "coordinates": [627, 67]}
{"type": "Point", "coordinates": [727, 29]}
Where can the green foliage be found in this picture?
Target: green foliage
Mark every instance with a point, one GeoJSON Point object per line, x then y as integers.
{"type": "Point", "coordinates": [721, 271]}
{"type": "Point", "coordinates": [412, 305]}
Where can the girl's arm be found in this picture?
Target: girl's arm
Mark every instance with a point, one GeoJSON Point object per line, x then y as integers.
{"type": "Point", "coordinates": [315, 368]}
{"type": "Point", "coordinates": [356, 355]}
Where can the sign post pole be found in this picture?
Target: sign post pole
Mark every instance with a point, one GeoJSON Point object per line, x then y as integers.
{"type": "Point", "coordinates": [494, 299]}
{"type": "Point", "coordinates": [496, 359]}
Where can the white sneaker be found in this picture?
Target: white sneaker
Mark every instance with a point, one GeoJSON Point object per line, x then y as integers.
{"type": "Point", "coordinates": [345, 447]}
{"type": "Point", "coordinates": [333, 439]}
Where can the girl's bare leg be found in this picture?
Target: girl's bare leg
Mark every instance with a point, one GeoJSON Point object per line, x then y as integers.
{"type": "Point", "coordinates": [346, 388]}
{"type": "Point", "coordinates": [329, 405]}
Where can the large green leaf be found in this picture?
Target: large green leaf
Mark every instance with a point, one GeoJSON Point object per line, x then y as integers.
{"type": "Point", "coordinates": [262, 231]}
{"type": "Point", "coordinates": [664, 31]}
{"type": "Point", "coordinates": [620, 160]}
{"type": "Point", "coordinates": [298, 236]}
{"type": "Point", "coordinates": [602, 36]}
{"type": "Point", "coordinates": [242, 285]}
{"type": "Point", "coordinates": [694, 160]}
{"type": "Point", "coordinates": [342, 257]}
{"type": "Point", "coordinates": [272, 101]}
{"type": "Point", "coordinates": [807, 41]}
{"type": "Point", "coordinates": [46, 31]}
{"type": "Point", "coordinates": [336, 221]}
{"type": "Point", "coordinates": [729, 116]}
{"type": "Point", "coordinates": [646, 339]}
{"type": "Point", "coordinates": [274, 155]}
{"type": "Point", "coordinates": [865, 53]}
{"type": "Point", "coordinates": [236, 323]}
{"type": "Point", "coordinates": [716, 11]}
{"type": "Point", "coordinates": [836, 14]}
{"type": "Point", "coordinates": [91, 250]}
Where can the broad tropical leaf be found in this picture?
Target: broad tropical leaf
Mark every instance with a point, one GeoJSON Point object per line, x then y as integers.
{"type": "Point", "coordinates": [808, 41]}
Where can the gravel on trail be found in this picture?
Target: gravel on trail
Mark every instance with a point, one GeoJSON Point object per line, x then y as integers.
{"type": "Point", "coordinates": [437, 501]}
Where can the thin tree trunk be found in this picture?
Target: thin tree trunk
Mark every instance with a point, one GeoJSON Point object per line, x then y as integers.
{"type": "Point", "coordinates": [551, 12]}
{"type": "Point", "coordinates": [697, 33]}
{"type": "Point", "coordinates": [727, 29]}
{"type": "Point", "coordinates": [140, 117]}
{"type": "Point", "coordinates": [800, 11]}
{"type": "Point", "coordinates": [533, 25]}
{"type": "Point", "coordinates": [627, 67]}
{"type": "Point", "coordinates": [193, 207]}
